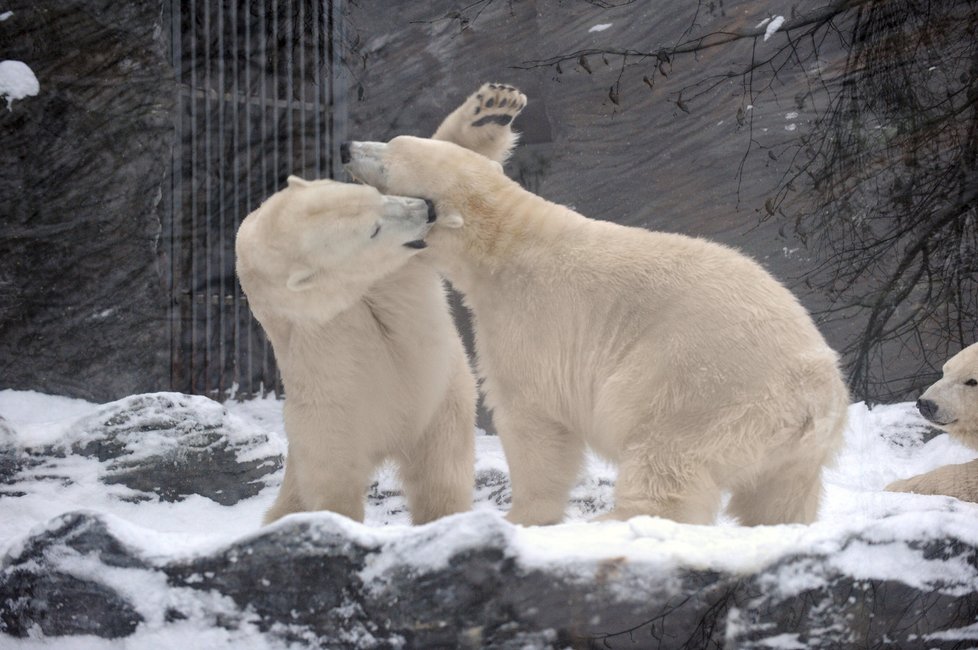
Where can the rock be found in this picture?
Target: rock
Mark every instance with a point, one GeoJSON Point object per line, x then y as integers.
{"type": "Point", "coordinates": [466, 581]}
{"type": "Point", "coordinates": [13, 460]}
{"type": "Point", "coordinates": [62, 603]}
{"type": "Point", "coordinates": [174, 445]}
{"type": "Point", "coordinates": [162, 445]}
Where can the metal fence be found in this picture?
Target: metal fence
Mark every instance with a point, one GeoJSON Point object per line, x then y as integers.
{"type": "Point", "coordinates": [257, 100]}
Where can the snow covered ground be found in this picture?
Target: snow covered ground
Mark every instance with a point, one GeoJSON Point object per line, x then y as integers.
{"type": "Point", "coordinates": [882, 444]}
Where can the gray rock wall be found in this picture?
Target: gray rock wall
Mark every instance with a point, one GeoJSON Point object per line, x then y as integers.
{"type": "Point", "coordinates": [83, 308]}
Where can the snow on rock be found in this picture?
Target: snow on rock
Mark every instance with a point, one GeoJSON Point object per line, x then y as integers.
{"type": "Point", "coordinates": [773, 26]}
{"type": "Point", "coordinates": [17, 81]}
{"type": "Point", "coordinates": [103, 561]}
{"type": "Point", "coordinates": [164, 444]}
{"type": "Point", "coordinates": [464, 581]}
{"type": "Point", "coordinates": [600, 28]}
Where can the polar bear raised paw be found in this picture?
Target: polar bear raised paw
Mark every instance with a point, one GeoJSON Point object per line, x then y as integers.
{"type": "Point", "coordinates": [483, 123]}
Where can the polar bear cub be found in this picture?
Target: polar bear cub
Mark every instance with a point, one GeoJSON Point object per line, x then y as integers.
{"type": "Point", "coordinates": [952, 405]}
{"type": "Point", "coordinates": [372, 365]}
{"type": "Point", "coordinates": [679, 359]}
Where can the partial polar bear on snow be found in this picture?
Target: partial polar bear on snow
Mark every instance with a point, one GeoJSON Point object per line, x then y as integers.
{"type": "Point", "coordinates": [951, 404]}
{"type": "Point", "coordinates": [682, 361]}
{"type": "Point", "coordinates": [371, 362]}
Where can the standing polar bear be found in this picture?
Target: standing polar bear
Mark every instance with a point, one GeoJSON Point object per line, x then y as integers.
{"type": "Point", "coordinates": [680, 360]}
{"type": "Point", "coordinates": [372, 365]}
{"type": "Point", "coordinates": [952, 405]}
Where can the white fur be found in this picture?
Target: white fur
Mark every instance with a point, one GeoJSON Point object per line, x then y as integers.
{"type": "Point", "coordinates": [956, 401]}
{"type": "Point", "coordinates": [679, 359]}
{"type": "Point", "coordinates": [372, 365]}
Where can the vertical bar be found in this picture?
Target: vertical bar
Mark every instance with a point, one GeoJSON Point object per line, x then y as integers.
{"type": "Point", "coordinates": [289, 88]}
{"type": "Point", "coordinates": [301, 80]}
{"type": "Point", "coordinates": [192, 240]}
{"type": "Point", "coordinates": [221, 310]}
{"type": "Point", "coordinates": [250, 96]}
{"type": "Point", "coordinates": [273, 109]}
{"type": "Point", "coordinates": [331, 66]}
{"type": "Point", "coordinates": [337, 111]}
{"type": "Point", "coordinates": [236, 198]}
{"type": "Point", "coordinates": [318, 27]}
{"type": "Point", "coordinates": [208, 205]}
{"type": "Point", "coordinates": [176, 198]}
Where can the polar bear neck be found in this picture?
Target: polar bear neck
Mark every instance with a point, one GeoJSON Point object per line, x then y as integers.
{"type": "Point", "coordinates": [504, 225]}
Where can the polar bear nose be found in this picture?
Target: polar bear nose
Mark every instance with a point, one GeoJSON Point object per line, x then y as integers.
{"type": "Point", "coordinates": [927, 408]}
{"type": "Point", "coordinates": [431, 211]}
{"type": "Point", "coordinates": [345, 153]}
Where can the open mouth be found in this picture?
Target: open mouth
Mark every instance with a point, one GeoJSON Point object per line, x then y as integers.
{"type": "Point", "coordinates": [417, 243]}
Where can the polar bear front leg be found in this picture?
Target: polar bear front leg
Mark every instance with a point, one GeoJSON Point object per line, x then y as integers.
{"type": "Point", "coordinates": [330, 473]}
{"type": "Point", "coordinates": [544, 459]}
{"type": "Point", "coordinates": [958, 481]}
{"type": "Point", "coordinates": [483, 123]}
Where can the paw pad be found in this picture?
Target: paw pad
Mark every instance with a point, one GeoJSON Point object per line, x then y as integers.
{"type": "Point", "coordinates": [496, 104]}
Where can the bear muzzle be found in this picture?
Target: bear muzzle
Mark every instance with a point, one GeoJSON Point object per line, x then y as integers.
{"type": "Point", "coordinates": [364, 162]}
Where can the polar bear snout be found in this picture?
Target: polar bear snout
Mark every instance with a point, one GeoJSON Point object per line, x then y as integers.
{"type": "Point", "coordinates": [406, 218]}
{"type": "Point", "coordinates": [927, 408]}
{"type": "Point", "coordinates": [365, 162]}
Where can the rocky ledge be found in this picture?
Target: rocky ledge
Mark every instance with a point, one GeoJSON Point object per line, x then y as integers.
{"type": "Point", "coordinates": [891, 571]}
{"type": "Point", "coordinates": [473, 580]}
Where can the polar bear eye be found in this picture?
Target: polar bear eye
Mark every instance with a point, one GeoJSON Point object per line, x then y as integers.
{"type": "Point", "coordinates": [971, 382]}
{"type": "Point", "coordinates": [376, 231]}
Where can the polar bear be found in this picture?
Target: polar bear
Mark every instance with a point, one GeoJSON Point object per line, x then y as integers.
{"type": "Point", "coordinates": [952, 405]}
{"type": "Point", "coordinates": [678, 359]}
{"type": "Point", "coordinates": [372, 365]}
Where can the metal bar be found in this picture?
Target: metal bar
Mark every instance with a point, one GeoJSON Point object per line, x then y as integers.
{"type": "Point", "coordinates": [301, 80]}
{"type": "Point", "coordinates": [289, 88]}
{"type": "Point", "coordinates": [267, 368]}
{"type": "Point", "coordinates": [208, 203]}
{"type": "Point", "coordinates": [236, 200]}
{"type": "Point", "coordinates": [175, 211]}
{"type": "Point", "coordinates": [318, 27]}
{"type": "Point", "coordinates": [192, 240]}
{"type": "Point", "coordinates": [221, 309]}
{"type": "Point", "coordinates": [249, 179]}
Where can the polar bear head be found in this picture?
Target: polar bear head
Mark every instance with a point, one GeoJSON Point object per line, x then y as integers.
{"type": "Point", "coordinates": [952, 402]}
{"type": "Point", "coordinates": [421, 167]}
{"type": "Point", "coordinates": [319, 245]}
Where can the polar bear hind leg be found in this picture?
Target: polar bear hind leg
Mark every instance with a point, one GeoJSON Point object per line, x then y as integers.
{"type": "Point", "coordinates": [664, 485]}
{"type": "Point", "coordinates": [437, 473]}
{"type": "Point", "coordinates": [288, 500]}
{"type": "Point", "coordinates": [786, 493]}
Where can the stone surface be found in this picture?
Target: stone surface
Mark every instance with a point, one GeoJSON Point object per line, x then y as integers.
{"type": "Point", "coordinates": [688, 145]}
{"type": "Point", "coordinates": [83, 310]}
{"type": "Point", "coordinates": [319, 581]}
{"type": "Point", "coordinates": [164, 446]}
{"type": "Point", "coordinates": [902, 574]}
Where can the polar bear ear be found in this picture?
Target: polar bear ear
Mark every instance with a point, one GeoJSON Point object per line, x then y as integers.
{"type": "Point", "coordinates": [498, 165]}
{"type": "Point", "coordinates": [300, 279]}
{"type": "Point", "coordinates": [295, 181]}
{"type": "Point", "coordinates": [451, 220]}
